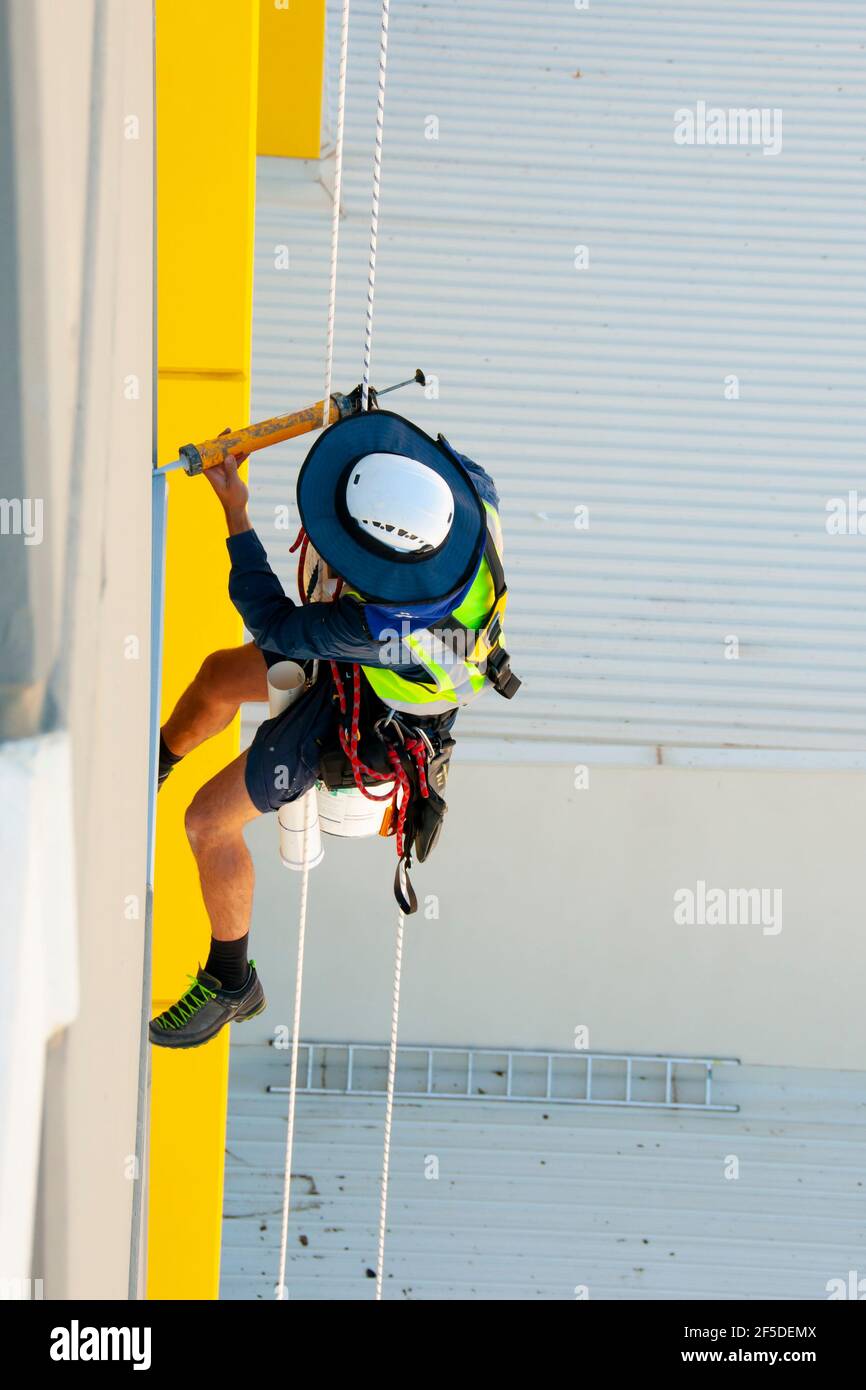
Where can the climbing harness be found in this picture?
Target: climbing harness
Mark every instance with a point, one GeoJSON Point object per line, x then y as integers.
{"type": "Point", "coordinates": [415, 809]}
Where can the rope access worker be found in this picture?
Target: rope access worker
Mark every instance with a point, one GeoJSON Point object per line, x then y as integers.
{"type": "Point", "coordinates": [412, 530]}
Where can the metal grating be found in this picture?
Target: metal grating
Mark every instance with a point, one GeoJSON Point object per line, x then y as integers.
{"type": "Point", "coordinates": [510, 1074]}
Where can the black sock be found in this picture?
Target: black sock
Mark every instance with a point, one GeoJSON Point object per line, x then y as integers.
{"type": "Point", "coordinates": [228, 961]}
{"type": "Point", "coordinates": [167, 759]}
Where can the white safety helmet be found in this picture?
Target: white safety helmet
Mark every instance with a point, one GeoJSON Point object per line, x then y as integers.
{"type": "Point", "coordinates": [401, 502]}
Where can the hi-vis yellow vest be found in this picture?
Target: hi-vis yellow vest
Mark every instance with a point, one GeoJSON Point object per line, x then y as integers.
{"type": "Point", "coordinates": [461, 654]}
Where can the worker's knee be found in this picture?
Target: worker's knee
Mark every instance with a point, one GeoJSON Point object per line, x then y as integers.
{"type": "Point", "coordinates": [201, 821]}
{"type": "Point", "coordinates": [215, 675]}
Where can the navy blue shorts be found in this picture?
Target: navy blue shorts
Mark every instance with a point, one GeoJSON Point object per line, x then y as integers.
{"type": "Point", "coordinates": [283, 758]}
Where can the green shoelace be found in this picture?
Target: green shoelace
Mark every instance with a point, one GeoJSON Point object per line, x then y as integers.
{"type": "Point", "coordinates": [187, 1006]}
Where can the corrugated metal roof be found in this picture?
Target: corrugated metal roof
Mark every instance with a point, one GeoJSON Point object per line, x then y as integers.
{"type": "Point", "coordinates": [604, 387]}
{"type": "Point", "coordinates": [534, 1200]}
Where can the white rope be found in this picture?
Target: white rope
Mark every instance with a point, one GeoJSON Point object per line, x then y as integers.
{"type": "Point", "coordinates": [365, 391]}
{"type": "Point", "coordinates": [335, 213]}
{"type": "Point", "coordinates": [389, 1107]}
{"type": "Point", "coordinates": [374, 215]}
{"type": "Point", "coordinates": [281, 1290]}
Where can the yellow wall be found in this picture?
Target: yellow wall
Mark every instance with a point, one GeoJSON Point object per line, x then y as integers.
{"type": "Point", "coordinates": [208, 115]}
{"type": "Point", "coordinates": [207, 57]}
{"type": "Point", "coordinates": [291, 60]}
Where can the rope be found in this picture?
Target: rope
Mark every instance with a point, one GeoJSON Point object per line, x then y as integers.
{"type": "Point", "coordinates": [335, 213]}
{"type": "Point", "coordinates": [389, 1108]}
{"type": "Point", "coordinates": [416, 748]}
{"type": "Point", "coordinates": [282, 1291]}
{"type": "Point", "coordinates": [365, 391]}
{"type": "Point", "coordinates": [374, 215]}
{"type": "Point", "coordinates": [402, 788]}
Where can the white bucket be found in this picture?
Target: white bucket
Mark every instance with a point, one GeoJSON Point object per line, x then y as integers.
{"type": "Point", "coordinates": [298, 821]}
{"type": "Point", "coordinates": [299, 830]}
{"type": "Point", "coordinates": [348, 812]}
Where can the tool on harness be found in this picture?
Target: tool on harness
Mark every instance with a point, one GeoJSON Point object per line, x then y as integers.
{"type": "Point", "coordinates": [427, 808]}
{"type": "Point", "coordinates": [429, 812]}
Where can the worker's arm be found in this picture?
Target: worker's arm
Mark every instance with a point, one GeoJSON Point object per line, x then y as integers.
{"type": "Point", "coordinates": [327, 630]}
{"type": "Point", "coordinates": [232, 492]}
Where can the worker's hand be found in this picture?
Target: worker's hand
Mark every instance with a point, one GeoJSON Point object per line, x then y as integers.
{"type": "Point", "coordinates": [229, 487]}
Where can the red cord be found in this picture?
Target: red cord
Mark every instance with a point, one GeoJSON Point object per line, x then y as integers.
{"type": "Point", "coordinates": [402, 793]}
{"type": "Point", "coordinates": [302, 540]}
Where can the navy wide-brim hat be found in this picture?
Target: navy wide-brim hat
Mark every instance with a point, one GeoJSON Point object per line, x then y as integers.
{"type": "Point", "coordinates": [381, 574]}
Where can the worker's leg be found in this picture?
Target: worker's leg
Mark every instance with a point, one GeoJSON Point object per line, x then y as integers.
{"type": "Point", "coordinates": [228, 988]}
{"type": "Point", "coordinates": [280, 765]}
{"type": "Point", "coordinates": [226, 680]}
{"type": "Point", "coordinates": [215, 821]}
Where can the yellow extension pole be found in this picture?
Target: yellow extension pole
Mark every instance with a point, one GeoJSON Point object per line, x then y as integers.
{"type": "Point", "coordinates": [206, 147]}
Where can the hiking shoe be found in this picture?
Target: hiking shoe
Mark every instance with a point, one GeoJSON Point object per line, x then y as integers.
{"type": "Point", "coordinates": [205, 1009]}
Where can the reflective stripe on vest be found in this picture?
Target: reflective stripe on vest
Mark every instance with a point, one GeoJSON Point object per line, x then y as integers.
{"type": "Point", "coordinates": [453, 681]}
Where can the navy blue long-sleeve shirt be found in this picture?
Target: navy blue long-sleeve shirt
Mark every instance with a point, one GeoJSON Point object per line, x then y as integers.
{"type": "Point", "coordinates": [337, 630]}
